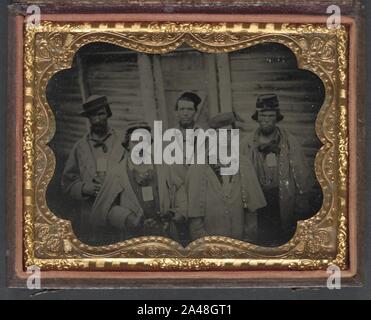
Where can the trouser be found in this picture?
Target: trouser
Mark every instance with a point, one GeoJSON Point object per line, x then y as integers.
{"type": "Point", "coordinates": [271, 232]}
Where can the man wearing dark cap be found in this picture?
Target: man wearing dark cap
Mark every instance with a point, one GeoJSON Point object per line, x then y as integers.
{"type": "Point", "coordinates": [282, 171]}
{"type": "Point", "coordinates": [140, 199]}
{"type": "Point", "coordinates": [220, 205]}
{"type": "Point", "coordinates": [89, 161]}
{"type": "Point", "coordinates": [186, 108]}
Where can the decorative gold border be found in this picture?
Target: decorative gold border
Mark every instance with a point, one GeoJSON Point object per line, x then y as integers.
{"type": "Point", "coordinates": [319, 242]}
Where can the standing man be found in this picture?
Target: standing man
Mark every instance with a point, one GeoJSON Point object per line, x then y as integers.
{"type": "Point", "coordinates": [140, 199]}
{"type": "Point", "coordinates": [186, 108]}
{"type": "Point", "coordinates": [221, 205]}
{"type": "Point", "coordinates": [89, 161]}
{"type": "Point", "coordinates": [282, 171]}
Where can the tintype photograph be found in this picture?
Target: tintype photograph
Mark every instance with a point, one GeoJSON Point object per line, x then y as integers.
{"type": "Point", "coordinates": [185, 144]}
{"type": "Point", "coordinates": [260, 93]}
{"type": "Point", "coordinates": [159, 150]}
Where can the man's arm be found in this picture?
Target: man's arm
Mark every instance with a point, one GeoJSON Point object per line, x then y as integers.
{"type": "Point", "coordinates": [124, 219]}
{"type": "Point", "coordinates": [180, 209]}
{"type": "Point", "coordinates": [71, 178]}
{"type": "Point", "coordinates": [303, 175]}
{"type": "Point", "coordinates": [304, 178]}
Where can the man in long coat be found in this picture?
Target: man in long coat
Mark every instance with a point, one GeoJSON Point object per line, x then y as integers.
{"type": "Point", "coordinates": [186, 108]}
{"type": "Point", "coordinates": [87, 165]}
{"type": "Point", "coordinates": [140, 199]}
{"type": "Point", "coordinates": [282, 170]}
{"type": "Point", "coordinates": [221, 205]}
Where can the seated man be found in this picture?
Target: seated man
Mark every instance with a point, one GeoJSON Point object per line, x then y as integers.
{"type": "Point", "coordinates": [140, 200]}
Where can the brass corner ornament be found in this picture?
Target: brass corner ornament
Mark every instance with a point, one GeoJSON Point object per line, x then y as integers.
{"type": "Point", "coordinates": [49, 241]}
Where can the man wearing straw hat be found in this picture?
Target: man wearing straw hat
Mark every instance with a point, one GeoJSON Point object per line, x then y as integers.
{"type": "Point", "coordinates": [89, 161]}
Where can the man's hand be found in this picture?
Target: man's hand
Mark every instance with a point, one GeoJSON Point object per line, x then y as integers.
{"type": "Point", "coordinates": [167, 216]}
{"type": "Point", "coordinates": [150, 223]}
{"type": "Point", "coordinates": [251, 226]}
{"type": "Point", "coordinates": [134, 221]}
{"type": "Point", "coordinates": [91, 189]}
{"type": "Point", "coordinates": [172, 215]}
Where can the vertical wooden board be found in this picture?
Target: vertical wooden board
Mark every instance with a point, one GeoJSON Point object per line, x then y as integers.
{"type": "Point", "coordinates": [259, 70]}
{"type": "Point", "coordinates": [160, 91]}
{"type": "Point", "coordinates": [224, 82]}
{"type": "Point", "coordinates": [83, 83]}
{"type": "Point", "coordinates": [184, 70]}
{"type": "Point", "coordinates": [147, 86]}
{"type": "Point", "coordinates": [213, 91]}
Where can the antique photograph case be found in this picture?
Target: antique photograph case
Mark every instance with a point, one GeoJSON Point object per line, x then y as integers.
{"type": "Point", "coordinates": [279, 90]}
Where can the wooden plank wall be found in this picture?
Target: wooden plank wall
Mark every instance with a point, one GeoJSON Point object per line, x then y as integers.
{"type": "Point", "coordinates": [262, 69]}
{"type": "Point", "coordinates": [115, 75]}
{"type": "Point", "coordinates": [64, 97]}
{"type": "Point", "coordinates": [189, 75]}
{"type": "Point", "coordinates": [273, 69]}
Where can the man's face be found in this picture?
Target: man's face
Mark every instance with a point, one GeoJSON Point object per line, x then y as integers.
{"type": "Point", "coordinates": [186, 112]}
{"type": "Point", "coordinates": [220, 143]}
{"type": "Point", "coordinates": [99, 121]}
{"type": "Point", "coordinates": [267, 121]}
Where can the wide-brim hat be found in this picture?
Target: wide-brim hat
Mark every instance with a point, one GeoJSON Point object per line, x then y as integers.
{"type": "Point", "coordinates": [222, 119]}
{"type": "Point", "coordinates": [268, 102]}
{"type": "Point", "coordinates": [94, 103]}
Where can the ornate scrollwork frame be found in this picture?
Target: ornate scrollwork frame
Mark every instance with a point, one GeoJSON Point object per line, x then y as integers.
{"type": "Point", "coordinates": [319, 242]}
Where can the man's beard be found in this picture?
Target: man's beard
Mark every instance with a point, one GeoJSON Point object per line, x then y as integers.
{"type": "Point", "coordinates": [267, 131]}
{"type": "Point", "coordinates": [99, 128]}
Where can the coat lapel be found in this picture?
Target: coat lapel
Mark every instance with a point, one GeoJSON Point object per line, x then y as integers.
{"type": "Point", "coordinates": [87, 157]}
{"type": "Point", "coordinates": [126, 185]}
{"type": "Point", "coordinates": [111, 188]}
{"type": "Point", "coordinates": [118, 152]}
{"type": "Point", "coordinates": [163, 187]}
{"type": "Point", "coordinates": [213, 180]}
